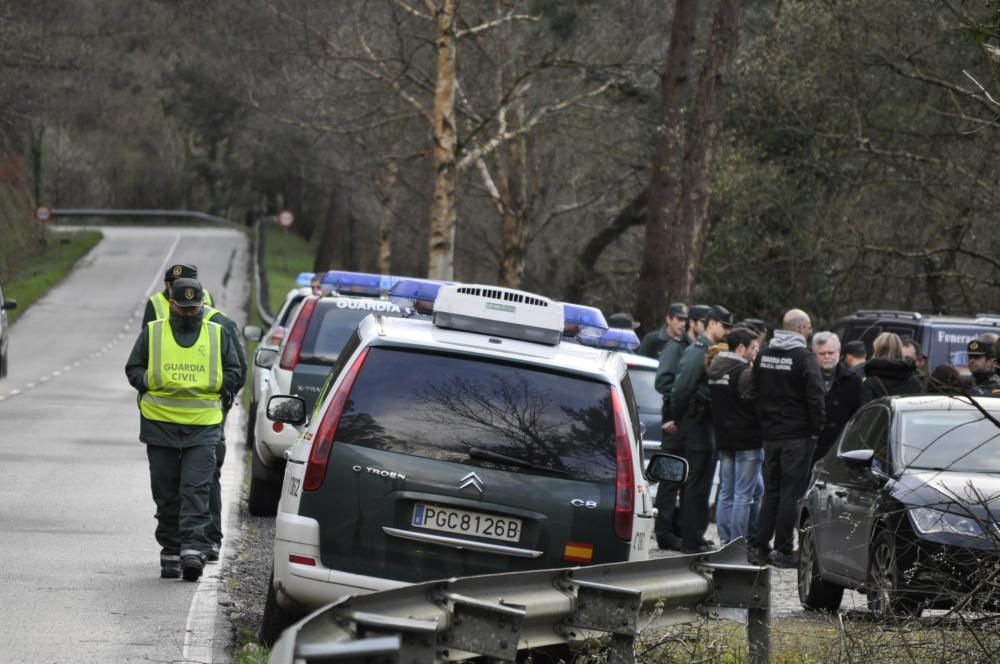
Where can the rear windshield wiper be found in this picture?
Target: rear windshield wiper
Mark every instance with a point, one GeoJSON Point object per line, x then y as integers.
{"type": "Point", "coordinates": [479, 453]}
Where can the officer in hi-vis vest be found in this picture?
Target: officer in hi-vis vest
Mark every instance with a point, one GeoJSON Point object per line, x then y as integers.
{"type": "Point", "coordinates": [183, 368]}
{"type": "Point", "coordinates": [158, 305]}
{"type": "Point", "coordinates": [230, 329]}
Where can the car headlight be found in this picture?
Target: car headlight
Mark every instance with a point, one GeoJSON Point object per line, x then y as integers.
{"type": "Point", "coordinates": [928, 521]}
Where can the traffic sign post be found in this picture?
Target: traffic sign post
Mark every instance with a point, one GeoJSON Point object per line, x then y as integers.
{"type": "Point", "coordinates": [286, 218]}
{"type": "Point", "coordinates": [43, 213]}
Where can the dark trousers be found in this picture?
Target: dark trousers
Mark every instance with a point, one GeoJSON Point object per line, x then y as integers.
{"type": "Point", "coordinates": [181, 481]}
{"type": "Point", "coordinates": [215, 495]}
{"type": "Point", "coordinates": [667, 515]}
{"type": "Point", "coordinates": [787, 465]}
{"type": "Point", "coordinates": [699, 451]}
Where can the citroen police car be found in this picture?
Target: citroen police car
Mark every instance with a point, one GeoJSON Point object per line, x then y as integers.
{"type": "Point", "coordinates": [473, 443]}
{"type": "Point", "coordinates": [317, 333]}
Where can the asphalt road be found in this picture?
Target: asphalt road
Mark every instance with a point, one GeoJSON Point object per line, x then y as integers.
{"type": "Point", "coordinates": [79, 567]}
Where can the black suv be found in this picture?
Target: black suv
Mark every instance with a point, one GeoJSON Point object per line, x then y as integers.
{"type": "Point", "coordinates": [942, 339]}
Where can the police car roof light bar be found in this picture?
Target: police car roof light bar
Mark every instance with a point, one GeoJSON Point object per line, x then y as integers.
{"type": "Point", "coordinates": [417, 293]}
{"type": "Point", "coordinates": [584, 324]}
{"type": "Point", "coordinates": [499, 312]}
{"type": "Point", "coordinates": [613, 339]}
{"type": "Point", "coordinates": [304, 280]}
{"type": "Point", "coordinates": [353, 283]}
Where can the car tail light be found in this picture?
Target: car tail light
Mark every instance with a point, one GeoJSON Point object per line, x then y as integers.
{"type": "Point", "coordinates": [624, 476]}
{"type": "Point", "coordinates": [327, 430]}
{"type": "Point", "coordinates": [301, 560]}
{"type": "Point", "coordinates": [293, 345]}
{"type": "Point", "coordinates": [277, 334]}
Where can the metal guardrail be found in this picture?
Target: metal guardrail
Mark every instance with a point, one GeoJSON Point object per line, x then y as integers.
{"type": "Point", "coordinates": [497, 615]}
{"type": "Point", "coordinates": [259, 274]}
{"type": "Point", "coordinates": [151, 214]}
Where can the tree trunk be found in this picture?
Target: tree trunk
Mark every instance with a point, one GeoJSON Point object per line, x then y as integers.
{"type": "Point", "coordinates": [442, 230]}
{"type": "Point", "coordinates": [703, 128]}
{"type": "Point", "coordinates": [517, 213]}
{"type": "Point", "coordinates": [388, 177]}
{"type": "Point", "coordinates": [654, 286]}
{"type": "Point", "coordinates": [329, 237]}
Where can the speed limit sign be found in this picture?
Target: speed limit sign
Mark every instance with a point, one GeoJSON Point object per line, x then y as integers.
{"type": "Point", "coordinates": [43, 212]}
{"type": "Point", "coordinates": [286, 218]}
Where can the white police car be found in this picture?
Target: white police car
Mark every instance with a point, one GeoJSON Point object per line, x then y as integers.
{"type": "Point", "coordinates": [473, 444]}
{"type": "Point", "coordinates": [317, 332]}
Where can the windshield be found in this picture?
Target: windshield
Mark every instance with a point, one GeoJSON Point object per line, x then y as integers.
{"type": "Point", "coordinates": [335, 320]}
{"type": "Point", "coordinates": [479, 412]}
{"type": "Point", "coordinates": [962, 441]}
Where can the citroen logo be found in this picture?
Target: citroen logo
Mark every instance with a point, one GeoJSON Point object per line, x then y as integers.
{"type": "Point", "coordinates": [471, 480]}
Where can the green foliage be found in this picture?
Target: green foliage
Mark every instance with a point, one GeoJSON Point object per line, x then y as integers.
{"type": "Point", "coordinates": [33, 279]}
{"type": "Point", "coordinates": [286, 254]}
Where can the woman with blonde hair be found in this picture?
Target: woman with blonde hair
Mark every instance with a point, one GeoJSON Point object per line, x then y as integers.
{"type": "Point", "coordinates": [887, 374]}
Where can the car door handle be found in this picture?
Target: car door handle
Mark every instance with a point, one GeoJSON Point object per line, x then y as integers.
{"type": "Point", "coordinates": [840, 494]}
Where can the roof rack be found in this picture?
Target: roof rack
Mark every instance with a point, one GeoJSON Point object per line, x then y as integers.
{"type": "Point", "coordinates": [889, 313]}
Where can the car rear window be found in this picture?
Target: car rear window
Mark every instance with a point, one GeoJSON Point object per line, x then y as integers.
{"type": "Point", "coordinates": [646, 395]}
{"type": "Point", "coordinates": [960, 441]}
{"type": "Point", "coordinates": [332, 323]}
{"type": "Point", "coordinates": [441, 406]}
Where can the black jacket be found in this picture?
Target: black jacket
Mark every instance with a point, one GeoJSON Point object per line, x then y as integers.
{"type": "Point", "coordinates": [842, 400]}
{"type": "Point", "coordinates": [666, 373]}
{"type": "Point", "coordinates": [689, 396]}
{"type": "Point", "coordinates": [653, 343]}
{"type": "Point", "coordinates": [889, 378]}
{"type": "Point", "coordinates": [788, 389]}
{"type": "Point", "coordinates": [736, 426]}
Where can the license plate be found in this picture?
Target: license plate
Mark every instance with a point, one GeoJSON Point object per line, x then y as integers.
{"type": "Point", "coordinates": [449, 520]}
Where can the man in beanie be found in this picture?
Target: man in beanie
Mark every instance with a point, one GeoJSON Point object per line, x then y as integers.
{"type": "Point", "coordinates": [182, 366]}
{"type": "Point", "coordinates": [855, 356]}
{"type": "Point", "coordinates": [673, 326]}
{"type": "Point", "coordinates": [158, 305]}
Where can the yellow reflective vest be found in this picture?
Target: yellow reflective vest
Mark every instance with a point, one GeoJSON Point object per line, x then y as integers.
{"type": "Point", "coordinates": [184, 383]}
{"type": "Point", "coordinates": [161, 305]}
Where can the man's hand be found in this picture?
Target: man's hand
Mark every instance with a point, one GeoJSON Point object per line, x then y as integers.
{"type": "Point", "coordinates": [670, 427]}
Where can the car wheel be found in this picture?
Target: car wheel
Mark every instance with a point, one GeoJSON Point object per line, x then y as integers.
{"type": "Point", "coordinates": [886, 600]}
{"type": "Point", "coordinates": [251, 425]}
{"type": "Point", "coordinates": [276, 618]}
{"type": "Point", "coordinates": [264, 492]}
{"type": "Point", "coordinates": [814, 592]}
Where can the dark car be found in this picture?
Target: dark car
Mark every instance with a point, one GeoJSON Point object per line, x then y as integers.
{"type": "Point", "coordinates": [942, 339]}
{"type": "Point", "coordinates": [642, 373]}
{"type": "Point", "coordinates": [5, 305]}
{"type": "Point", "coordinates": [904, 507]}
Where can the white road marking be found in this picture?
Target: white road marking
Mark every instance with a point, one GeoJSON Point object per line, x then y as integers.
{"type": "Point", "coordinates": [158, 279]}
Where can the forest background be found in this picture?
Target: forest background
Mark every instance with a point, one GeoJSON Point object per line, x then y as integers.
{"type": "Point", "coordinates": [825, 154]}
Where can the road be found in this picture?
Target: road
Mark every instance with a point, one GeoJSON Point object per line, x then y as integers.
{"type": "Point", "coordinates": [79, 567]}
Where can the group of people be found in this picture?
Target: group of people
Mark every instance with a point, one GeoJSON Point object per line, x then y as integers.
{"type": "Point", "coordinates": [766, 411]}
{"type": "Point", "coordinates": [187, 365]}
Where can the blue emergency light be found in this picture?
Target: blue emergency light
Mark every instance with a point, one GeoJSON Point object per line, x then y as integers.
{"type": "Point", "coordinates": [616, 338]}
{"type": "Point", "coordinates": [304, 280]}
{"type": "Point", "coordinates": [417, 293]}
{"type": "Point", "coordinates": [352, 283]}
{"type": "Point", "coordinates": [585, 324]}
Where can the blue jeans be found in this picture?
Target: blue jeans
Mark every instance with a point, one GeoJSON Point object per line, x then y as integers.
{"type": "Point", "coordinates": [741, 486]}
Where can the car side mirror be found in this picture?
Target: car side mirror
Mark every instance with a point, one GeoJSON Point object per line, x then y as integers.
{"type": "Point", "coordinates": [667, 469]}
{"type": "Point", "coordinates": [265, 357]}
{"type": "Point", "coordinates": [858, 457]}
{"type": "Point", "coordinates": [10, 304]}
{"type": "Point", "coordinates": [287, 409]}
{"type": "Point", "coordinates": [252, 333]}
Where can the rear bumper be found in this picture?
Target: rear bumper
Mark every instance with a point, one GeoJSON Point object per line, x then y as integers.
{"type": "Point", "coordinates": [305, 587]}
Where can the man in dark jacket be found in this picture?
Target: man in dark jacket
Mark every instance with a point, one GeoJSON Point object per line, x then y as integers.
{"type": "Point", "coordinates": [690, 401]}
{"type": "Point", "coordinates": [981, 355]}
{"type": "Point", "coordinates": [843, 390]}
{"type": "Point", "coordinates": [666, 527]}
{"type": "Point", "coordinates": [673, 327]}
{"type": "Point", "coordinates": [737, 439]}
{"type": "Point", "coordinates": [184, 368]}
{"type": "Point", "coordinates": [855, 356]}
{"type": "Point", "coordinates": [790, 403]}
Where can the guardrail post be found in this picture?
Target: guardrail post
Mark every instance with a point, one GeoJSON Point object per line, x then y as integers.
{"type": "Point", "coordinates": [759, 636]}
{"type": "Point", "coordinates": [487, 628]}
{"type": "Point", "coordinates": [608, 608]}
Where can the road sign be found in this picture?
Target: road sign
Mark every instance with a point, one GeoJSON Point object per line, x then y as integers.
{"type": "Point", "coordinates": [286, 218]}
{"type": "Point", "coordinates": [43, 212]}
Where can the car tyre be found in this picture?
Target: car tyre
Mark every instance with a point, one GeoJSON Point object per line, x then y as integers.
{"type": "Point", "coordinates": [276, 618]}
{"type": "Point", "coordinates": [814, 592]}
{"type": "Point", "coordinates": [886, 600]}
{"type": "Point", "coordinates": [251, 425]}
{"type": "Point", "coordinates": [264, 494]}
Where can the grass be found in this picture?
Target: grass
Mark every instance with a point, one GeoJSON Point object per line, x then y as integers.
{"type": "Point", "coordinates": [63, 251]}
{"type": "Point", "coordinates": [285, 255]}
